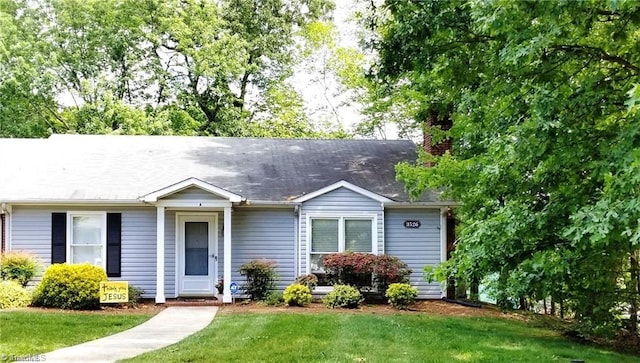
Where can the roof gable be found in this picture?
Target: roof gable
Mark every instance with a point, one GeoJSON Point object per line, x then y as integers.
{"type": "Point", "coordinates": [346, 185]}
{"type": "Point", "coordinates": [190, 183]}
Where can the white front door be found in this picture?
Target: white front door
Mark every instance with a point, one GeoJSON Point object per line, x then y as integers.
{"type": "Point", "coordinates": [197, 246]}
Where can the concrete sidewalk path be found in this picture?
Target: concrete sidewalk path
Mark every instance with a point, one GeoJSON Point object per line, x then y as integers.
{"type": "Point", "coordinates": [169, 326]}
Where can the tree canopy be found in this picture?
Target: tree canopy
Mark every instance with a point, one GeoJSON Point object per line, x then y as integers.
{"type": "Point", "coordinates": [194, 67]}
{"type": "Point", "coordinates": [544, 99]}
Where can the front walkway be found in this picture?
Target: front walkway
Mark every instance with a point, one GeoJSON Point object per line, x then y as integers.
{"type": "Point", "coordinates": [169, 326]}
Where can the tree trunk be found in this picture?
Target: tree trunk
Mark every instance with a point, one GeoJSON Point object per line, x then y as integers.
{"type": "Point", "coordinates": [634, 287]}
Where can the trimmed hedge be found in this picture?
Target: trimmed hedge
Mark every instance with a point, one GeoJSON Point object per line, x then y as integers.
{"type": "Point", "coordinates": [68, 286]}
{"type": "Point", "coordinates": [260, 278]}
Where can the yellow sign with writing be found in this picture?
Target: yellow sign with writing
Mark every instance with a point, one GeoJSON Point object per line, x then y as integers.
{"type": "Point", "coordinates": [114, 292]}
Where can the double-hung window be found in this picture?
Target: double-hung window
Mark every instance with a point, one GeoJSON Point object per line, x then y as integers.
{"type": "Point", "coordinates": [86, 237]}
{"type": "Point", "coordinates": [339, 234]}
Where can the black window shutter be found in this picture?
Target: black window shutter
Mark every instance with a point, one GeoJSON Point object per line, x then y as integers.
{"type": "Point", "coordinates": [114, 234]}
{"type": "Point", "coordinates": [58, 237]}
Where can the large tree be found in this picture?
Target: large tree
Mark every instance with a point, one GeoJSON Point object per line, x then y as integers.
{"type": "Point", "coordinates": [186, 67]}
{"type": "Point", "coordinates": [546, 130]}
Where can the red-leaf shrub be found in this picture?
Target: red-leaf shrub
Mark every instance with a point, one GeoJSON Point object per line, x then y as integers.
{"type": "Point", "coordinates": [389, 270]}
{"type": "Point", "coordinates": [365, 270]}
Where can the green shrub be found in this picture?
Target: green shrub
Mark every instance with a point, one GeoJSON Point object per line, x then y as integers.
{"type": "Point", "coordinates": [297, 295]}
{"type": "Point", "coordinates": [18, 266]}
{"type": "Point", "coordinates": [13, 295]}
{"type": "Point", "coordinates": [343, 296]}
{"type": "Point", "coordinates": [70, 287]}
{"type": "Point", "coordinates": [401, 295]}
{"type": "Point", "coordinates": [274, 298]}
{"type": "Point", "coordinates": [135, 296]}
{"type": "Point", "coordinates": [260, 277]}
{"type": "Point", "coordinates": [310, 281]}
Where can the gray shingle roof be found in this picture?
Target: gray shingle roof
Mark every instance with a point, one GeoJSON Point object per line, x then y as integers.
{"type": "Point", "coordinates": [102, 167]}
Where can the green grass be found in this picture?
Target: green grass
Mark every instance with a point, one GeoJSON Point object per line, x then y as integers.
{"type": "Point", "coordinates": [331, 337]}
{"type": "Point", "coordinates": [24, 332]}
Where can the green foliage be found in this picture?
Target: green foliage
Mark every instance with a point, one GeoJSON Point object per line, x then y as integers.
{"type": "Point", "coordinates": [546, 133]}
{"type": "Point", "coordinates": [310, 281]}
{"type": "Point", "coordinates": [158, 67]}
{"type": "Point", "coordinates": [18, 266]}
{"type": "Point", "coordinates": [68, 286]}
{"type": "Point", "coordinates": [401, 295]}
{"type": "Point", "coordinates": [135, 296]}
{"type": "Point", "coordinates": [343, 296]}
{"type": "Point", "coordinates": [259, 276]}
{"type": "Point", "coordinates": [365, 270]}
{"type": "Point", "coordinates": [274, 298]}
{"type": "Point", "coordinates": [297, 295]}
{"type": "Point", "coordinates": [13, 295]}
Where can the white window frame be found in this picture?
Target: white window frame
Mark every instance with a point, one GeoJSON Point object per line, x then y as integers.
{"type": "Point", "coordinates": [341, 217]}
{"type": "Point", "coordinates": [103, 234]}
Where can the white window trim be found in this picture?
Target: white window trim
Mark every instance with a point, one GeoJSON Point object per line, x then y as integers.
{"type": "Point", "coordinates": [103, 237]}
{"type": "Point", "coordinates": [340, 217]}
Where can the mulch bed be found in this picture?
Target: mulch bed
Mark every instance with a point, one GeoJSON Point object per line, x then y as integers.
{"type": "Point", "coordinates": [433, 307]}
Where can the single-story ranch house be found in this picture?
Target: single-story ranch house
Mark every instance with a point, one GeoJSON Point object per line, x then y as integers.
{"type": "Point", "coordinates": [172, 215]}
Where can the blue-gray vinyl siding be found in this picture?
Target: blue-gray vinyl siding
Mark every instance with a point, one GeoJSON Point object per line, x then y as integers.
{"type": "Point", "coordinates": [417, 247]}
{"type": "Point", "coordinates": [31, 231]}
{"type": "Point", "coordinates": [194, 193]}
{"type": "Point", "coordinates": [338, 202]}
{"type": "Point", "coordinates": [263, 234]}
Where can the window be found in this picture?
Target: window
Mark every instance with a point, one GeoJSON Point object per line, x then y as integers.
{"type": "Point", "coordinates": [87, 235]}
{"type": "Point", "coordinates": [339, 234]}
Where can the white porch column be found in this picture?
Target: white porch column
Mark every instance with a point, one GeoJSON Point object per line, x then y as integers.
{"type": "Point", "coordinates": [160, 256]}
{"type": "Point", "coordinates": [226, 297]}
{"type": "Point", "coordinates": [443, 242]}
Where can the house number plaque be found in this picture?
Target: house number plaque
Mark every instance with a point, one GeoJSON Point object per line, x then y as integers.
{"type": "Point", "coordinates": [412, 224]}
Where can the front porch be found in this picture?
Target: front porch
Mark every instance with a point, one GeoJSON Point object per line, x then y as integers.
{"type": "Point", "coordinates": [188, 218]}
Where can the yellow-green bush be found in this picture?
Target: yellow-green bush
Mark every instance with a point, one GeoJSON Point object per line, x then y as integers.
{"type": "Point", "coordinates": [401, 295]}
{"type": "Point", "coordinates": [343, 296]}
{"type": "Point", "coordinates": [70, 287]}
{"type": "Point", "coordinates": [18, 266]}
{"type": "Point", "coordinates": [297, 295]}
{"type": "Point", "coordinates": [12, 295]}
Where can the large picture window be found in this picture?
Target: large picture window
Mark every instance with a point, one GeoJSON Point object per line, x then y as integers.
{"type": "Point", "coordinates": [339, 234]}
{"type": "Point", "coordinates": [87, 237]}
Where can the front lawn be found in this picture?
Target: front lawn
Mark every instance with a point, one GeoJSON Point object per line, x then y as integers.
{"type": "Point", "coordinates": [33, 331]}
{"type": "Point", "coordinates": [361, 337]}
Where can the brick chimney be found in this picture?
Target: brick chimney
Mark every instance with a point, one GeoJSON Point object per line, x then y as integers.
{"type": "Point", "coordinates": [443, 146]}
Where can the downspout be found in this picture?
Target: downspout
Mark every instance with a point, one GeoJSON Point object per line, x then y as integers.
{"type": "Point", "coordinates": [3, 227]}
